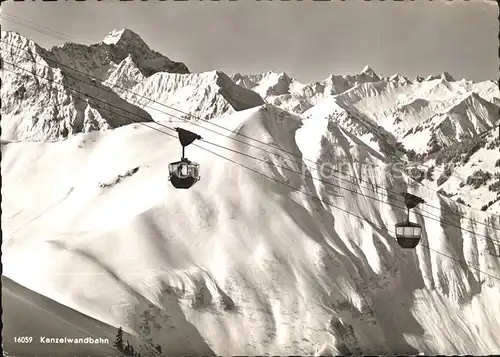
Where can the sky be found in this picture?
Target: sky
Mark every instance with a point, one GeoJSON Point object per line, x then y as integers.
{"type": "Point", "coordinates": [307, 40]}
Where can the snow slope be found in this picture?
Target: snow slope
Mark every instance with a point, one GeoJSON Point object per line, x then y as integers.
{"type": "Point", "coordinates": [201, 95]}
{"type": "Point", "coordinates": [191, 270]}
{"type": "Point", "coordinates": [28, 314]}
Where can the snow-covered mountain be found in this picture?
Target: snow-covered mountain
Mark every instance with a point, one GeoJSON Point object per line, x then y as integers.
{"type": "Point", "coordinates": [44, 101]}
{"type": "Point", "coordinates": [468, 172]}
{"type": "Point", "coordinates": [102, 59]}
{"type": "Point", "coordinates": [199, 95]}
{"type": "Point", "coordinates": [240, 252]}
{"type": "Point", "coordinates": [397, 116]}
{"type": "Point", "coordinates": [423, 115]}
{"type": "Point", "coordinates": [291, 95]}
{"type": "Point", "coordinates": [48, 95]}
{"type": "Point", "coordinates": [286, 245]}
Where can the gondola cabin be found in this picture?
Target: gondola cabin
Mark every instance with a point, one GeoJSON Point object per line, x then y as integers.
{"type": "Point", "coordinates": [408, 234]}
{"type": "Point", "coordinates": [184, 173]}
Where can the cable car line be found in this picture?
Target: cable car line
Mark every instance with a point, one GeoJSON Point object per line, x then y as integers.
{"type": "Point", "coordinates": [295, 189]}
{"type": "Point", "coordinates": [444, 222]}
{"type": "Point", "coordinates": [250, 138]}
{"type": "Point", "coordinates": [447, 223]}
{"type": "Point", "coordinates": [333, 185]}
{"type": "Point", "coordinates": [193, 167]}
{"type": "Point", "coordinates": [274, 147]}
{"type": "Point", "coordinates": [209, 122]}
{"type": "Point", "coordinates": [439, 208]}
{"type": "Point", "coordinates": [32, 26]}
{"type": "Point", "coordinates": [46, 31]}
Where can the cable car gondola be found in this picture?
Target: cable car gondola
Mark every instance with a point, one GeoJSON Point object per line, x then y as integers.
{"type": "Point", "coordinates": [184, 174]}
{"type": "Point", "coordinates": [408, 233]}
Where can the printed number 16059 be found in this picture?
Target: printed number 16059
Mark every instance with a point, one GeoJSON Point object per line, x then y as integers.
{"type": "Point", "coordinates": [23, 339]}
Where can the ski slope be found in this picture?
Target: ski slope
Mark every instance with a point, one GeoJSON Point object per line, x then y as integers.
{"type": "Point", "coordinates": [241, 264]}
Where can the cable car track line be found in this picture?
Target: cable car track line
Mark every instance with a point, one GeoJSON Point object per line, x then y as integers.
{"type": "Point", "coordinates": [211, 123]}
{"type": "Point", "coordinates": [250, 156]}
{"type": "Point", "coordinates": [236, 133]}
{"type": "Point", "coordinates": [285, 184]}
{"type": "Point", "coordinates": [327, 183]}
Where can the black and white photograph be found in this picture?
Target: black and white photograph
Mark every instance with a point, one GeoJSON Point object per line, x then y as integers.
{"type": "Point", "coordinates": [260, 178]}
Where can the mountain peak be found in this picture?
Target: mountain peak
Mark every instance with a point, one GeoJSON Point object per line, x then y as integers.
{"type": "Point", "coordinates": [368, 70]}
{"type": "Point", "coordinates": [124, 35]}
{"type": "Point", "coordinates": [443, 76]}
{"type": "Point", "coordinates": [447, 76]}
{"type": "Point", "coordinates": [13, 37]}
